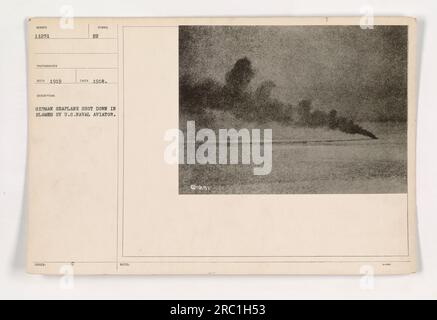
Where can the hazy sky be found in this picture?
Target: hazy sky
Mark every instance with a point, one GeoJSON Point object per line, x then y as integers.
{"type": "Point", "coordinates": [361, 73]}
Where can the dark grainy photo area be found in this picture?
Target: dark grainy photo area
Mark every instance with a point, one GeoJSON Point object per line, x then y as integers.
{"type": "Point", "coordinates": [335, 98]}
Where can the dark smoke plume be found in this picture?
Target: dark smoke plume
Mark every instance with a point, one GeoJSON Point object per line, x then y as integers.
{"type": "Point", "coordinates": [319, 118]}
{"type": "Point", "coordinates": [258, 106]}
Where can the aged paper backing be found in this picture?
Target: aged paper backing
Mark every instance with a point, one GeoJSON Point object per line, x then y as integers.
{"type": "Point", "coordinates": [102, 199]}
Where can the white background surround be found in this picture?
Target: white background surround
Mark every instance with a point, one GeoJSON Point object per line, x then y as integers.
{"type": "Point", "coordinates": [15, 283]}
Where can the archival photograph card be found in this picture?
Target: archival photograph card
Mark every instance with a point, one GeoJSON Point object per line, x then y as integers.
{"type": "Point", "coordinates": [222, 145]}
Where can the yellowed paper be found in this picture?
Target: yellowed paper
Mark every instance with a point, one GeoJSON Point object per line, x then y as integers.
{"type": "Point", "coordinates": [337, 195]}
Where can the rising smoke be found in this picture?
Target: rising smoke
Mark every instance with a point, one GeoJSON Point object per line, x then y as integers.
{"type": "Point", "coordinates": [258, 105]}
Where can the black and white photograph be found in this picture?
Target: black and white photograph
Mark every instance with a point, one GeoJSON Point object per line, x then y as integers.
{"type": "Point", "coordinates": [333, 97]}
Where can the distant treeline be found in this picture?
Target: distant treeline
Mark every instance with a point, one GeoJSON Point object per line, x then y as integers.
{"type": "Point", "coordinates": [254, 106]}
